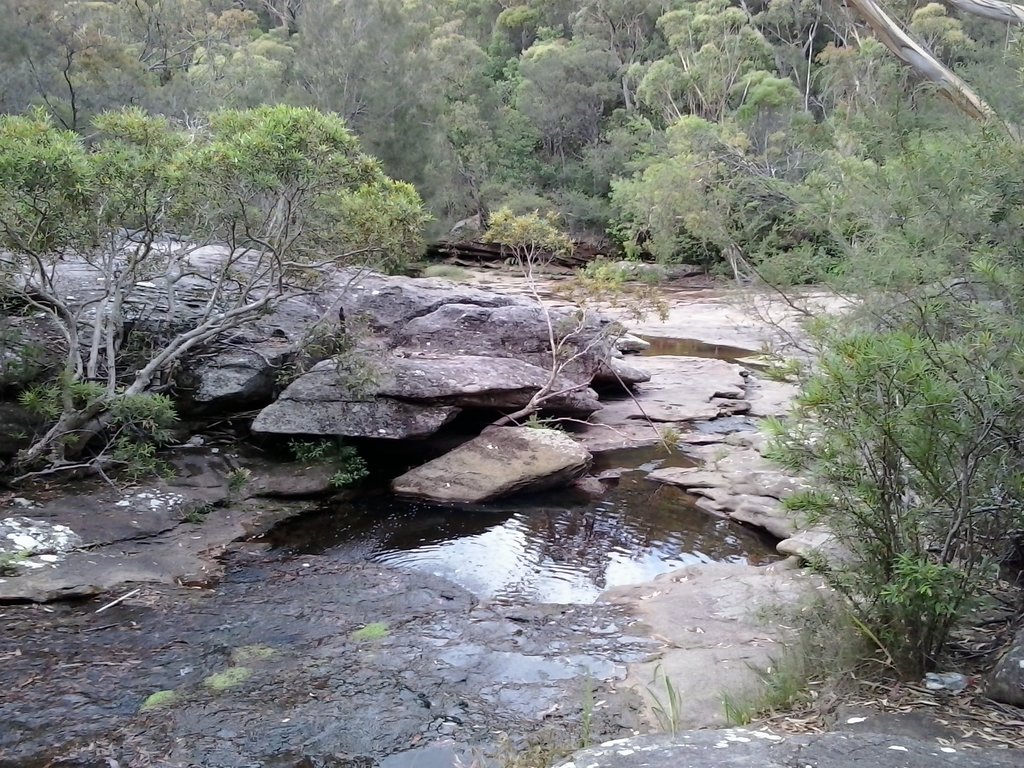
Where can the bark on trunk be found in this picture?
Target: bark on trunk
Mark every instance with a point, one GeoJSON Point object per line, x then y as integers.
{"type": "Point", "coordinates": [1007, 13]}
{"type": "Point", "coordinates": [922, 61]}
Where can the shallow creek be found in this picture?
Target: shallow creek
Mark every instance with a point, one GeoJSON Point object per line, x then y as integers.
{"type": "Point", "coordinates": [557, 548]}
{"type": "Point", "coordinates": [374, 632]}
{"type": "Point", "coordinates": [377, 631]}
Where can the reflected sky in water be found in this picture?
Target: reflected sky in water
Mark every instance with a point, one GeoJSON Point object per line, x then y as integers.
{"type": "Point", "coordinates": [554, 548]}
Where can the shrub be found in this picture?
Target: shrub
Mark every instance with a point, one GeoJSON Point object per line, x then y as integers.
{"type": "Point", "coordinates": [910, 440]}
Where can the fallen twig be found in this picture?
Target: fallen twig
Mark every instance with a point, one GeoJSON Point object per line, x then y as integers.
{"type": "Point", "coordinates": [125, 596]}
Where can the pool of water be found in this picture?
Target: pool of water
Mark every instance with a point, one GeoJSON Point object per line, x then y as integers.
{"type": "Point", "coordinates": [661, 345]}
{"type": "Point", "coordinates": [560, 548]}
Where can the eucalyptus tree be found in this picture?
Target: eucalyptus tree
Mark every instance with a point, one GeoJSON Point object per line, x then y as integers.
{"type": "Point", "coordinates": [285, 194]}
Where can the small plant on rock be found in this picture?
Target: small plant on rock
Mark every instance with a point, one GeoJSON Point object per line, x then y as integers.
{"type": "Point", "coordinates": [351, 468]}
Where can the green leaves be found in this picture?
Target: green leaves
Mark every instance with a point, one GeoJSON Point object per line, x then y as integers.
{"type": "Point", "coordinates": [47, 183]}
{"type": "Point", "coordinates": [530, 238]}
{"type": "Point", "coordinates": [905, 434]}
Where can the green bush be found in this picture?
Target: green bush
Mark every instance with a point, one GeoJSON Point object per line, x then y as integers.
{"type": "Point", "coordinates": [910, 442]}
{"type": "Point", "coordinates": [351, 468]}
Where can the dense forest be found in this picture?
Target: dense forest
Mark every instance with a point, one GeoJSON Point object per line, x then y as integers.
{"type": "Point", "coordinates": [688, 131]}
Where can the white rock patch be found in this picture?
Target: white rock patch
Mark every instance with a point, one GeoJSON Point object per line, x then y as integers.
{"type": "Point", "coordinates": [35, 543]}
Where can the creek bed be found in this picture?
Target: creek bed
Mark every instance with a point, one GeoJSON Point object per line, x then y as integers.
{"type": "Point", "coordinates": [376, 632]}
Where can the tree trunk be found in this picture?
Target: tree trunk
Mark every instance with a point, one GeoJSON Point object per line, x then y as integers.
{"type": "Point", "coordinates": [923, 62]}
{"type": "Point", "coordinates": [1007, 13]}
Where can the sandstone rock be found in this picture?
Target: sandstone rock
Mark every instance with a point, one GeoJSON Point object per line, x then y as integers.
{"type": "Point", "coordinates": [630, 344]}
{"type": "Point", "coordinates": [235, 379]}
{"type": "Point", "coordinates": [321, 402]}
{"type": "Point", "coordinates": [811, 543]}
{"type": "Point", "coordinates": [289, 481]}
{"type": "Point", "coordinates": [741, 748]}
{"type": "Point", "coordinates": [474, 381]}
{"type": "Point", "coordinates": [25, 536]}
{"type": "Point", "coordinates": [388, 304]}
{"type": "Point", "coordinates": [681, 390]}
{"type": "Point", "coordinates": [1006, 682]}
{"type": "Point", "coordinates": [709, 620]}
{"type": "Point", "coordinates": [500, 462]}
{"type": "Point", "coordinates": [507, 330]}
{"type": "Point", "coordinates": [741, 486]}
{"type": "Point", "coordinates": [617, 373]}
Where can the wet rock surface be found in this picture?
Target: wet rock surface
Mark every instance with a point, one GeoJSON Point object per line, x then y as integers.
{"type": "Point", "coordinates": [714, 637]}
{"type": "Point", "coordinates": [340, 659]}
{"type": "Point", "coordinates": [166, 532]}
{"type": "Point", "coordinates": [738, 748]}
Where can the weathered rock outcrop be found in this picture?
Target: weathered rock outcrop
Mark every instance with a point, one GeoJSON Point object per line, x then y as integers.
{"type": "Point", "coordinates": [1006, 682]}
{"type": "Point", "coordinates": [500, 462]}
{"type": "Point", "coordinates": [436, 348]}
{"type": "Point", "coordinates": [235, 378]}
{"type": "Point", "coordinates": [740, 748]}
{"type": "Point", "coordinates": [322, 402]}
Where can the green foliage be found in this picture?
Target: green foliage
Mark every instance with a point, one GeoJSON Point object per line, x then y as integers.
{"type": "Point", "coordinates": [667, 701]}
{"type": "Point", "coordinates": [350, 465]}
{"type": "Point", "coordinates": [376, 630]}
{"type": "Point", "coordinates": [285, 190]}
{"type": "Point", "coordinates": [532, 239]}
{"type": "Point", "coordinates": [159, 700]}
{"type": "Point", "coordinates": [198, 514]}
{"type": "Point", "coordinates": [238, 478]}
{"type": "Point", "coordinates": [902, 434]}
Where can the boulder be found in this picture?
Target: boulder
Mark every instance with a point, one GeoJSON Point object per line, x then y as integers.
{"type": "Point", "coordinates": [517, 329]}
{"type": "Point", "coordinates": [500, 462]}
{"type": "Point", "coordinates": [387, 304]}
{"type": "Point", "coordinates": [289, 481]}
{"type": "Point", "coordinates": [436, 347]}
{"type": "Point", "coordinates": [630, 344]}
{"type": "Point", "coordinates": [1006, 682]}
{"type": "Point", "coordinates": [321, 402]}
{"type": "Point", "coordinates": [616, 373]}
{"type": "Point", "coordinates": [740, 748]}
{"type": "Point", "coordinates": [241, 377]}
{"type": "Point", "coordinates": [474, 381]}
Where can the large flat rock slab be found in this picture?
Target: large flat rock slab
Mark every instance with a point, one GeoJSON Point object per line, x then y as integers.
{"type": "Point", "coordinates": [740, 748]}
{"type": "Point", "coordinates": [713, 636]}
{"type": "Point", "coordinates": [500, 462]}
{"type": "Point", "coordinates": [324, 402]}
{"type": "Point", "coordinates": [682, 390]}
{"type": "Point", "coordinates": [478, 381]}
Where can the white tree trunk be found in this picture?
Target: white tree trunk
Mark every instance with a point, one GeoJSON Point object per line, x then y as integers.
{"type": "Point", "coordinates": [922, 61]}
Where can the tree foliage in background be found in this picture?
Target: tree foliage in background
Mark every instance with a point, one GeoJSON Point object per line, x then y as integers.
{"type": "Point", "coordinates": [285, 194]}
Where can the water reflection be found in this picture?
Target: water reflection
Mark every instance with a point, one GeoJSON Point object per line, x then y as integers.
{"type": "Point", "coordinates": [560, 548]}
{"type": "Point", "coordinates": [662, 345]}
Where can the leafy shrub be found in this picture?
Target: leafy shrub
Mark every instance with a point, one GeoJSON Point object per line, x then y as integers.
{"type": "Point", "coordinates": [351, 468]}
{"type": "Point", "coordinates": [910, 442]}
